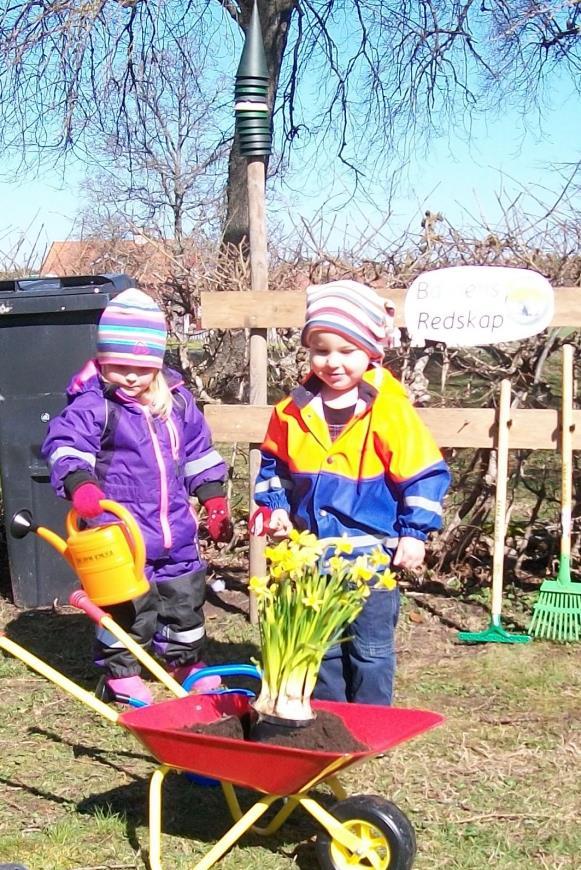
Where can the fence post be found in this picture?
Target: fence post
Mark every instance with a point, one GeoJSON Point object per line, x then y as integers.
{"type": "Point", "coordinates": [258, 348]}
{"type": "Point", "coordinates": [253, 127]}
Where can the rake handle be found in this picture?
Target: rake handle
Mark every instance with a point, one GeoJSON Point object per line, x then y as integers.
{"type": "Point", "coordinates": [504, 422]}
{"type": "Point", "coordinates": [566, 451]}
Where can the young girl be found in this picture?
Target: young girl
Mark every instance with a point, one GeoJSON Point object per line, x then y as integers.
{"type": "Point", "coordinates": [347, 456]}
{"type": "Point", "coordinates": [131, 432]}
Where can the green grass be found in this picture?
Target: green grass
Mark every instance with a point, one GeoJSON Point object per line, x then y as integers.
{"type": "Point", "coordinates": [496, 785]}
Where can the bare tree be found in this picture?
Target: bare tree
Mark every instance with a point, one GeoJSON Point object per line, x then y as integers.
{"type": "Point", "coordinates": [162, 168]}
{"type": "Point", "coordinates": [366, 75]}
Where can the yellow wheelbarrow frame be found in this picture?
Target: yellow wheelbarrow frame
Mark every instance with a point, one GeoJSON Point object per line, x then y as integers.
{"type": "Point", "coordinates": [348, 838]}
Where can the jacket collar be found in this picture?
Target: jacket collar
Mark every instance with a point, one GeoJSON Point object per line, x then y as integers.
{"type": "Point", "coordinates": [89, 379]}
{"type": "Point", "coordinates": [311, 387]}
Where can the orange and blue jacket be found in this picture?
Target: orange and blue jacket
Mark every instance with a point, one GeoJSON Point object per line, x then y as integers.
{"type": "Point", "coordinates": [383, 477]}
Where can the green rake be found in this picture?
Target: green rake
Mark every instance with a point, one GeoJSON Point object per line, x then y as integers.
{"type": "Point", "coordinates": [495, 633]}
{"type": "Point", "coordinates": [557, 612]}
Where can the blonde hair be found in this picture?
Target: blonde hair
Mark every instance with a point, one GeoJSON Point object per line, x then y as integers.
{"type": "Point", "coordinates": [158, 396]}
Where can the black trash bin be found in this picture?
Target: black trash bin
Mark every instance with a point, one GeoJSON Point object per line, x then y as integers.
{"type": "Point", "coordinates": [48, 330]}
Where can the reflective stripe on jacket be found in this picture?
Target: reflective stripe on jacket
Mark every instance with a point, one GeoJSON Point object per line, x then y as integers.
{"type": "Point", "coordinates": [147, 464]}
{"type": "Point", "coordinates": [382, 478]}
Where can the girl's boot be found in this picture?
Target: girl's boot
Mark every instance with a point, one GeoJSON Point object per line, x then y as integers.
{"type": "Point", "coordinates": [129, 687]}
{"type": "Point", "coordinates": [205, 684]}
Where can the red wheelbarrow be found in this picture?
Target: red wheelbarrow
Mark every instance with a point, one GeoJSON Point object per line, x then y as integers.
{"type": "Point", "coordinates": [359, 831]}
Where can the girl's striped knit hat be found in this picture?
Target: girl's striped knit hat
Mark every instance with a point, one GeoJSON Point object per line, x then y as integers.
{"type": "Point", "coordinates": [349, 309]}
{"type": "Point", "coordinates": [132, 331]}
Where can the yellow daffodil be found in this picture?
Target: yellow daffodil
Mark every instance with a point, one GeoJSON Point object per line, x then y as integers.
{"type": "Point", "coordinates": [306, 557]}
{"type": "Point", "coordinates": [313, 601]}
{"type": "Point", "coordinates": [360, 570]}
{"type": "Point", "coordinates": [277, 571]}
{"type": "Point", "coordinates": [379, 557]}
{"type": "Point", "coordinates": [343, 546]}
{"type": "Point", "coordinates": [387, 580]}
{"type": "Point", "coordinates": [258, 585]}
{"type": "Point", "coordinates": [291, 562]}
{"type": "Point", "coordinates": [305, 539]}
{"type": "Point", "coordinates": [275, 554]}
{"type": "Point", "coordinates": [337, 565]}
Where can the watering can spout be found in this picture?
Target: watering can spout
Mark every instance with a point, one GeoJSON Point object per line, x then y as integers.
{"type": "Point", "coordinates": [21, 524]}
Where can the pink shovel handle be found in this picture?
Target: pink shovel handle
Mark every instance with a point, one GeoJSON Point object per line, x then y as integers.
{"type": "Point", "coordinates": [81, 601]}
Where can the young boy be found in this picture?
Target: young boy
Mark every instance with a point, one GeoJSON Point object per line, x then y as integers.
{"type": "Point", "coordinates": [346, 455]}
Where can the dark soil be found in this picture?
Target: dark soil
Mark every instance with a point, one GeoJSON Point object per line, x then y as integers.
{"type": "Point", "coordinates": [325, 733]}
{"type": "Point", "coordinates": [227, 726]}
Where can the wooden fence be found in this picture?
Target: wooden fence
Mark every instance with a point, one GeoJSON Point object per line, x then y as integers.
{"type": "Point", "coordinates": [451, 427]}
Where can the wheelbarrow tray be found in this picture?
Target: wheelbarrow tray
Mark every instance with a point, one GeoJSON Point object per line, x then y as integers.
{"type": "Point", "coordinates": [264, 767]}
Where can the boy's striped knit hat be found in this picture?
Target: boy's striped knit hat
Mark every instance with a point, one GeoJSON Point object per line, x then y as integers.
{"type": "Point", "coordinates": [132, 331]}
{"type": "Point", "coordinates": [349, 309]}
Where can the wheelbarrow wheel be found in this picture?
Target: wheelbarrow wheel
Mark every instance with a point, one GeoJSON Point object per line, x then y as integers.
{"type": "Point", "coordinates": [387, 832]}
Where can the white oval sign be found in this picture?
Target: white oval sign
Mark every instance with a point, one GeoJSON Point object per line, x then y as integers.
{"type": "Point", "coordinates": [465, 306]}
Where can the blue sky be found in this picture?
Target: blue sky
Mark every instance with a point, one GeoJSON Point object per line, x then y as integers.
{"type": "Point", "coordinates": [37, 208]}
{"type": "Point", "coordinates": [460, 179]}
{"type": "Point", "coordinates": [469, 182]}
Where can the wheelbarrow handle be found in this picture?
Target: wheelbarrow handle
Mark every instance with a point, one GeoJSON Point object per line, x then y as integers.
{"type": "Point", "coordinates": [221, 671]}
{"type": "Point", "coordinates": [56, 677]}
{"type": "Point", "coordinates": [81, 601]}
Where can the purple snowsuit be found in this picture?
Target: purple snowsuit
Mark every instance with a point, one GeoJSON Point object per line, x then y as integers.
{"type": "Point", "coordinates": [150, 466]}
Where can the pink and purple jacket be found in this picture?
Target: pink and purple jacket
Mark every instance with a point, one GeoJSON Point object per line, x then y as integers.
{"type": "Point", "coordinates": [148, 464]}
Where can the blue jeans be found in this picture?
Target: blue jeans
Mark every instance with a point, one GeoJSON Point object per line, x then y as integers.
{"type": "Point", "coordinates": [362, 669]}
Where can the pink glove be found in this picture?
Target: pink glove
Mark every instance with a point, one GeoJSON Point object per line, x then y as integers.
{"type": "Point", "coordinates": [86, 498]}
{"type": "Point", "coordinates": [218, 519]}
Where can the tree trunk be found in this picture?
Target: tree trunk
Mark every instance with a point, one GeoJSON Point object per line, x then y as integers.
{"type": "Point", "coordinates": [275, 19]}
{"type": "Point", "coordinates": [236, 220]}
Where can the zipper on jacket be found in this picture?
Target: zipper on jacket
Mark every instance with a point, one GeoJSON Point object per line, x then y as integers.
{"type": "Point", "coordinates": [163, 515]}
{"type": "Point", "coordinates": [174, 439]}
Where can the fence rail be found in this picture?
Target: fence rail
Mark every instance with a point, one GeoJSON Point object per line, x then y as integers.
{"type": "Point", "coordinates": [451, 427]}
{"type": "Point", "coordinates": [284, 309]}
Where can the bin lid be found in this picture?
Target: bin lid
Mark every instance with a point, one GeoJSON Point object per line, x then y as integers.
{"type": "Point", "coordinates": [66, 284]}
{"type": "Point", "coordinates": [36, 295]}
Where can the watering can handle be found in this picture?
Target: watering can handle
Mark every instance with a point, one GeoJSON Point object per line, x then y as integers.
{"type": "Point", "coordinates": [130, 523]}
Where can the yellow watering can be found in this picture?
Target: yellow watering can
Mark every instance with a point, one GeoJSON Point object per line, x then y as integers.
{"type": "Point", "coordinates": [108, 560]}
